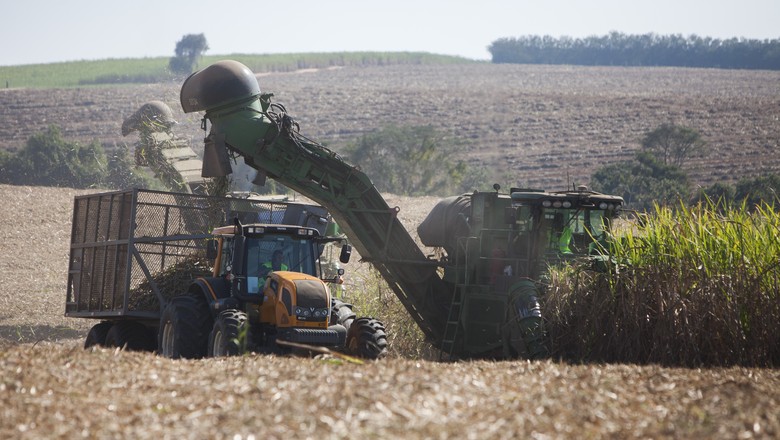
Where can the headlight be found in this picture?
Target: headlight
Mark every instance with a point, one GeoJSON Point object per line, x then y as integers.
{"type": "Point", "coordinates": [305, 313]}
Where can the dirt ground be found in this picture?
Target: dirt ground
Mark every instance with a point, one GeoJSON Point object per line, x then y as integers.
{"type": "Point", "coordinates": [52, 388]}
{"type": "Point", "coordinates": [541, 126]}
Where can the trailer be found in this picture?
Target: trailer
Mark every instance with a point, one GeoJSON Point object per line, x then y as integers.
{"type": "Point", "coordinates": [132, 251]}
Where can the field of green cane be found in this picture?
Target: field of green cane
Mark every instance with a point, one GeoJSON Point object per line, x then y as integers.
{"type": "Point", "coordinates": [688, 286]}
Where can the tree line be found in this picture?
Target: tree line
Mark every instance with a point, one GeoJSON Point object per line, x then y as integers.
{"type": "Point", "coordinates": [619, 49]}
{"type": "Point", "coordinates": [410, 161]}
{"type": "Point", "coordinates": [401, 160]}
{"type": "Point", "coordinates": [655, 176]}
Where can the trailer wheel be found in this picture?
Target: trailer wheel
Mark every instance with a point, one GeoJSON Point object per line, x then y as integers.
{"type": "Point", "coordinates": [97, 334]}
{"type": "Point", "coordinates": [230, 335]}
{"type": "Point", "coordinates": [130, 335]}
{"type": "Point", "coordinates": [366, 338]}
{"type": "Point", "coordinates": [184, 328]}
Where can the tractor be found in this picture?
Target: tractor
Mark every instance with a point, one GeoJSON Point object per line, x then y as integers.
{"type": "Point", "coordinates": [158, 274]}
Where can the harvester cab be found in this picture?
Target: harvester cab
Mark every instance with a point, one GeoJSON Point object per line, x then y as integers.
{"type": "Point", "coordinates": [553, 226]}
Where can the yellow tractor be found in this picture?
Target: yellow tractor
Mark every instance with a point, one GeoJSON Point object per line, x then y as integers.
{"type": "Point", "coordinates": [265, 291]}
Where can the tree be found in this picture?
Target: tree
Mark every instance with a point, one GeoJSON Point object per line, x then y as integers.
{"type": "Point", "coordinates": [759, 190]}
{"type": "Point", "coordinates": [642, 182]}
{"type": "Point", "coordinates": [48, 159]}
{"type": "Point", "coordinates": [673, 144]}
{"type": "Point", "coordinates": [188, 51]}
{"type": "Point", "coordinates": [719, 195]}
{"type": "Point", "coordinates": [618, 49]}
{"type": "Point", "coordinates": [409, 161]}
{"type": "Point", "coordinates": [752, 192]}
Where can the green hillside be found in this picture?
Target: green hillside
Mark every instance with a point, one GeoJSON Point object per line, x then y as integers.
{"type": "Point", "coordinates": [151, 70]}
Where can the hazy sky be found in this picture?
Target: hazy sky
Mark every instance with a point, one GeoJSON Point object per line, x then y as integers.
{"type": "Point", "coordinates": [43, 31]}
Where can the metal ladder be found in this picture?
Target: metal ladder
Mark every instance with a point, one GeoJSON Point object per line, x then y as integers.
{"type": "Point", "coordinates": [453, 323]}
{"type": "Point", "coordinates": [454, 316]}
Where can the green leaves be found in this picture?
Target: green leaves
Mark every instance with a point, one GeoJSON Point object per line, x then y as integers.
{"type": "Point", "coordinates": [642, 182]}
{"type": "Point", "coordinates": [48, 159]}
{"type": "Point", "coordinates": [700, 286]}
{"type": "Point", "coordinates": [673, 144]}
{"type": "Point", "coordinates": [410, 161]}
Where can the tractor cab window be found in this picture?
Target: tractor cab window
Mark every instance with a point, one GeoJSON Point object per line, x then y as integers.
{"type": "Point", "coordinates": [275, 252]}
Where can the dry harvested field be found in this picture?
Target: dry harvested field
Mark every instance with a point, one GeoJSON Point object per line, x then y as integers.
{"type": "Point", "coordinates": [52, 388]}
{"type": "Point", "coordinates": [544, 126]}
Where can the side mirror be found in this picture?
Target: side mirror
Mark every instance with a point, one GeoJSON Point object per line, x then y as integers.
{"type": "Point", "coordinates": [346, 252]}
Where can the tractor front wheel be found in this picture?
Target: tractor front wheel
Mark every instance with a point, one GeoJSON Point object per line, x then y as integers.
{"type": "Point", "coordinates": [366, 338]}
{"type": "Point", "coordinates": [341, 313]}
{"type": "Point", "coordinates": [230, 334]}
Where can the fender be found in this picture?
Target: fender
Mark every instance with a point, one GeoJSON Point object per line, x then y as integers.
{"type": "Point", "coordinates": [215, 290]}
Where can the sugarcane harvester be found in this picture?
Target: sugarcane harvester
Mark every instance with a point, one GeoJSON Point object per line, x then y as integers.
{"type": "Point", "coordinates": [481, 299]}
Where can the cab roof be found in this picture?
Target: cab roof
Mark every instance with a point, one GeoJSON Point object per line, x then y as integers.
{"type": "Point", "coordinates": [580, 197]}
{"type": "Point", "coordinates": [265, 228]}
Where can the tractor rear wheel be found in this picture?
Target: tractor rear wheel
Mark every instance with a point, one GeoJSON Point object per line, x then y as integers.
{"type": "Point", "coordinates": [130, 335]}
{"type": "Point", "coordinates": [97, 334]}
{"type": "Point", "coordinates": [230, 335]}
{"type": "Point", "coordinates": [366, 338]}
{"type": "Point", "coordinates": [184, 328]}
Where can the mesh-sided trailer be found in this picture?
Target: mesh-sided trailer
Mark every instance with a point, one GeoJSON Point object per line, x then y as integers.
{"type": "Point", "coordinates": [131, 251]}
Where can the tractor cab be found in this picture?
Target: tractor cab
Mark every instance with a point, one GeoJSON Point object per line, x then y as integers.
{"type": "Point", "coordinates": [248, 254]}
{"type": "Point", "coordinates": [274, 273]}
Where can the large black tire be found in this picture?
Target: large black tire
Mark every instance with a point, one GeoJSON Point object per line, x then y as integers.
{"type": "Point", "coordinates": [130, 335]}
{"type": "Point", "coordinates": [366, 338]}
{"type": "Point", "coordinates": [341, 313]}
{"type": "Point", "coordinates": [230, 335]}
{"type": "Point", "coordinates": [524, 335]}
{"type": "Point", "coordinates": [97, 334]}
{"type": "Point", "coordinates": [184, 328]}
